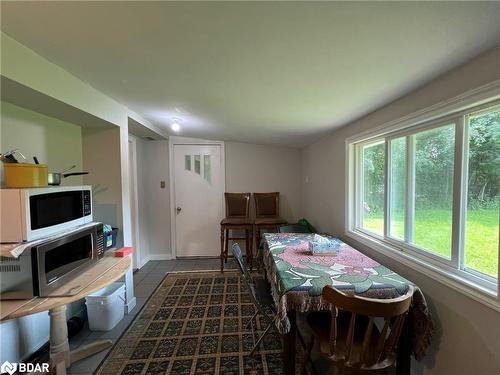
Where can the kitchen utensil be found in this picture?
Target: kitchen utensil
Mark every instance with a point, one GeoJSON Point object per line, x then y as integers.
{"type": "Point", "coordinates": [9, 157]}
{"type": "Point", "coordinates": [55, 178]}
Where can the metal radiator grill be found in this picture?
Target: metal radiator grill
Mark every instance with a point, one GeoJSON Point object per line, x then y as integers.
{"type": "Point", "coordinates": [8, 264]}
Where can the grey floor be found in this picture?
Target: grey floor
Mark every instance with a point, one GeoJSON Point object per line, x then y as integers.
{"type": "Point", "coordinates": [145, 282]}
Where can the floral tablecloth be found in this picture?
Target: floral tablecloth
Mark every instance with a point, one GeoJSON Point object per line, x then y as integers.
{"type": "Point", "coordinates": [297, 279]}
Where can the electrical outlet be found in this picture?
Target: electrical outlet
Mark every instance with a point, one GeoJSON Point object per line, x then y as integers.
{"type": "Point", "coordinates": [162, 184]}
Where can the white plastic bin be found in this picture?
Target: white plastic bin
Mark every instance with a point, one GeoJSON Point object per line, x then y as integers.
{"type": "Point", "coordinates": [105, 308]}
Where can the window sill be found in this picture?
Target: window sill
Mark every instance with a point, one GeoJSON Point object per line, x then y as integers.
{"type": "Point", "coordinates": [480, 294]}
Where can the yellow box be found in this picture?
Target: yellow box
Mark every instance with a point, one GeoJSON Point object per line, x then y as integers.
{"type": "Point", "coordinates": [24, 175]}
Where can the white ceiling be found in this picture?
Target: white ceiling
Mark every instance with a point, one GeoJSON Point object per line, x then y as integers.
{"type": "Point", "coordinates": [281, 72]}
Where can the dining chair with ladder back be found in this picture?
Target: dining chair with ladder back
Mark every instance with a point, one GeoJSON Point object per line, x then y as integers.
{"type": "Point", "coordinates": [237, 218]}
{"type": "Point", "coordinates": [351, 339]}
{"type": "Point", "coordinates": [266, 214]}
{"type": "Point", "coordinates": [260, 294]}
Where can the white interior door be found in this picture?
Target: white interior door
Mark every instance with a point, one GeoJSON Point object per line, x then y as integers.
{"type": "Point", "coordinates": [198, 184]}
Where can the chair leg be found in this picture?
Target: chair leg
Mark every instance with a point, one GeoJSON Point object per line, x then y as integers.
{"type": "Point", "coordinates": [226, 244]}
{"type": "Point", "coordinates": [248, 249]}
{"type": "Point", "coordinates": [256, 237]}
{"type": "Point", "coordinates": [250, 242]}
{"type": "Point", "coordinates": [307, 359]}
{"type": "Point", "coordinates": [252, 318]}
{"type": "Point", "coordinates": [222, 248]}
{"type": "Point", "coordinates": [260, 339]}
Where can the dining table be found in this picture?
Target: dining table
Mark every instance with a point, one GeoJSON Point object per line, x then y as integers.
{"type": "Point", "coordinates": [297, 279]}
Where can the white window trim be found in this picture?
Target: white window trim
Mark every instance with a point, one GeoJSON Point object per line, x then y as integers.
{"type": "Point", "coordinates": [466, 282]}
{"type": "Point", "coordinates": [462, 285]}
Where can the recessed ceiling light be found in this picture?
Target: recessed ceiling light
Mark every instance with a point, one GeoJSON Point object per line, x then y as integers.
{"type": "Point", "coordinates": [175, 126]}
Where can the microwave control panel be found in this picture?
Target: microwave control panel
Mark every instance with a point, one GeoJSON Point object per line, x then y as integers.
{"type": "Point", "coordinates": [86, 203]}
{"type": "Point", "coordinates": [100, 244]}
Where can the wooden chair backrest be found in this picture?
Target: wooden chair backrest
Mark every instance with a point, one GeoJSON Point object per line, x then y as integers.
{"type": "Point", "coordinates": [393, 311]}
{"type": "Point", "coordinates": [237, 205]}
{"type": "Point", "coordinates": [267, 204]}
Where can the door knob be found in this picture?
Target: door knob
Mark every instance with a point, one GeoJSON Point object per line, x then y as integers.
{"type": "Point", "coordinates": [178, 209]}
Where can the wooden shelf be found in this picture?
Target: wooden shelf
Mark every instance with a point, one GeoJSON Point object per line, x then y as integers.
{"type": "Point", "coordinates": [106, 271]}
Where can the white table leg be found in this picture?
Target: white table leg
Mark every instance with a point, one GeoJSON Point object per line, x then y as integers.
{"type": "Point", "coordinates": [130, 300]}
{"type": "Point", "coordinates": [59, 346]}
{"type": "Point", "coordinates": [60, 356]}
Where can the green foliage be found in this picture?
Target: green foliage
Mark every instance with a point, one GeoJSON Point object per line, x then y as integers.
{"type": "Point", "coordinates": [434, 160]}
{"type": "Point", "coordinates": [434, 167]}
{"type": "Point", "coordinates": [484, 159]}
{"type": "Point", "coordinates": [373, 171]}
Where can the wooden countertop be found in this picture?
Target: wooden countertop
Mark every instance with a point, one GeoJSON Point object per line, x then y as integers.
{"type": "Point", "coordinates": [104, 272]}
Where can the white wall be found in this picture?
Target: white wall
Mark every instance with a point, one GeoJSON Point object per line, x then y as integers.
{"type": "Point", "coordinates": [55, 142]}
{"type": "Point", "coordinates": [262, 168]}
{"type": "Point", "coordinates": [142, 198]}
{"type": "Point", "coordinates": [153, 201]}
{"type": "Point", "coordinates": [249, 167]}
{"type": "Point", "coordinates": [467, 334]}
{"type": "Point", "coordinates": [101, 158]}
{"type": "Point", "coordinates": [22, 65]}
{"type": "Point", "coordinates": [58, 144]}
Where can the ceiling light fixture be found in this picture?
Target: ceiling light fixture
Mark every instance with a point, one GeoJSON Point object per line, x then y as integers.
{"type": "Point", "coordinates": [175, 126]}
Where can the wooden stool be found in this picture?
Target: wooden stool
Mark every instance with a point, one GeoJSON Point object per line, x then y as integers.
{"type": "Point", "coordinates": [266, 213]}
{"type": "Point", "coordinates": [237, 218]}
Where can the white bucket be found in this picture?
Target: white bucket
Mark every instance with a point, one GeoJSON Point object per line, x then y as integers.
{"type": "Point", "coordinates": [105, 308]}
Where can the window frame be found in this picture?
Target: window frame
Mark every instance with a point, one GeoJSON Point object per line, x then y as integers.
{"type": "Point", "coordinates": [450, 271]}
{"type": "Point", "coordinates": [410, 187]}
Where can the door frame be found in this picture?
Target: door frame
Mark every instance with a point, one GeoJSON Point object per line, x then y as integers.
{"type": "Point", "coordinates": [134, 200]}
{"type": "Point", "coordinates": [173, 141]}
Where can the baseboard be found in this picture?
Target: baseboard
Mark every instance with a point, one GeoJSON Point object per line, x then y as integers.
{"type": "Point", "coordinates": [144, 261]}
{"type": "Point", "coordinates": [129, 306]}
{"type": "Point", "coordinates": [160, 257]}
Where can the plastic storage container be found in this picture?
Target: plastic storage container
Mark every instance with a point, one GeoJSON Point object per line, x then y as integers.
{"type": "Point", "coordinates": [106, 307]}
{"type": "Point", "coordinates": [110, 239]}
{"type": "Point", "coordinates": [24, 175]}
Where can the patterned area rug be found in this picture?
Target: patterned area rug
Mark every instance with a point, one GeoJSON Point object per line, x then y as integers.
{"type": "Point", "coordinates": [194, 323]}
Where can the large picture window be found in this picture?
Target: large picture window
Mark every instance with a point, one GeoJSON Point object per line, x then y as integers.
{"type": "Point", "coordinates": [483, 192]}
{"type": "Point", "coordinates": [433, 190]}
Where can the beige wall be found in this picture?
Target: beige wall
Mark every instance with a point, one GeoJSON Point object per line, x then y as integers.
{"type": "Point", "coordinates": [58, 144]}
{"type": "Point", "coordinates": [467, 333]}
{"type": "Point", "coordinates": [42, 78]}
{"type": "Point", "coordinates": [154, 201]}
{"type": "Point", "coordinates": [55, 142]}
{"type": "Point", "coordinates": [261, 168]}
{"type": "Point", "coordinates": [101, 158]}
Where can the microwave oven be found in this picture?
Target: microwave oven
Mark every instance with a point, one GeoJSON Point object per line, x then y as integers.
{"type": "Point", "coordinates": [46, 267]}
{"type": "Point", "coordinates": [29, 214]}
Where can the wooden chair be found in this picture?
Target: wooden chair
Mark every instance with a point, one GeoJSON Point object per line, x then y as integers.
{"type": "Point", "coordinates": [237, 218]}
{"type": "Point", "coordinates": [351, 339]}
{"type": "Point", "coordinates": [266, 213]}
